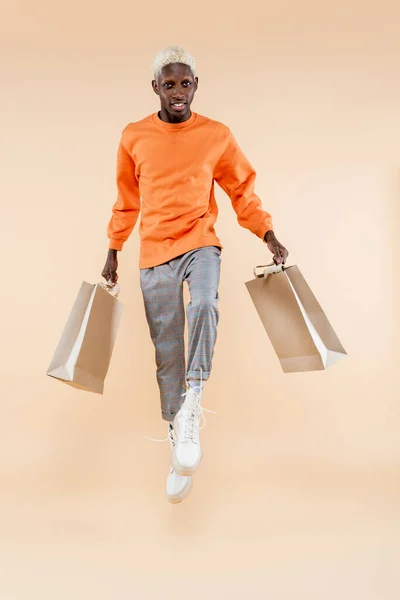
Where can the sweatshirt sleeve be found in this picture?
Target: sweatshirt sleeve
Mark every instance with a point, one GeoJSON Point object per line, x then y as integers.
{"type": "Point", "coordinates": [235, 175]}
{"type": "Point", "coordinates": [126, 209]}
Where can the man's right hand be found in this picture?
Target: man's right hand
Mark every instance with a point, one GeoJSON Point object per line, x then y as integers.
{"type": "Point", "coordinates": [110, 269]}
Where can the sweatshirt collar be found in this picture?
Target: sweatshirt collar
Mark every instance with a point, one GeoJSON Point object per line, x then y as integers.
{"type": "Point", "coordinates": [173, 126]}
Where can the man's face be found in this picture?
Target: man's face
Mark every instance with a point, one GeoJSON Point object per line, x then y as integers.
{"type": "Point", "coordinates": [176, 87]}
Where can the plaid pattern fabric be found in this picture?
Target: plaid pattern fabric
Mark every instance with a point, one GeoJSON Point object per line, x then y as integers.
{"type": "Point", "coordinates": [162, 289]}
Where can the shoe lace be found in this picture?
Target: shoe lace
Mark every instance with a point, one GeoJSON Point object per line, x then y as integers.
{"type": "Point", "coordinates": [171, 437]}
{"type": "Point", "coordinates": [194, 411]}
{"type": "Point", "coordinates": [190, 423]}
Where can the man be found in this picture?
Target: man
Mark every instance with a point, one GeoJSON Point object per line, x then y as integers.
{"type": "Point", "coordinates": [166, 167]}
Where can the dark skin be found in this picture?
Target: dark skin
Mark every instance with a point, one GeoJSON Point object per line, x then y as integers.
{"type": "Point", "coordinates": [176, 84]}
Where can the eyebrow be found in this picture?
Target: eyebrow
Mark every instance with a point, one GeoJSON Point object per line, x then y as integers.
{"type": "Point", "coordinates": [186, 78]}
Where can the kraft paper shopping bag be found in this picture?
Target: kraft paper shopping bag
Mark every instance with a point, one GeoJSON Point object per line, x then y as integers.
{"type": "Point", "coordinates": [298, 328]}
{"type": "Point", "coordinates": [84, 351]}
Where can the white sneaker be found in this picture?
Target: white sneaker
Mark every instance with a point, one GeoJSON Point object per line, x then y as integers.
{"type": "Point", "coordinates": [186, 453]}
{"type": "Point", "coordinates": [178, 486]}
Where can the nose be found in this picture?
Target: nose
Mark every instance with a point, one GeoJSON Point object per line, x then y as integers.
{"type": "Point", "coordinates": [179, 93]}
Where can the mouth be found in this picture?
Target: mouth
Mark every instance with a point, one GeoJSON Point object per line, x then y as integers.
{"type": "Point", "coordinates": [179, 106]}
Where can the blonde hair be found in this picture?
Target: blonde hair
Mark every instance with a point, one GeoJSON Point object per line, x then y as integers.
{"type": "Point", "coordinates": [171, 55]}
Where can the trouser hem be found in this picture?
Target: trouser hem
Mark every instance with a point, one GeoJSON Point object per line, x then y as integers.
{"type": "Point", "coordinates": [196, 375]}
{"type": "Point", "coordinates": [168, 417]}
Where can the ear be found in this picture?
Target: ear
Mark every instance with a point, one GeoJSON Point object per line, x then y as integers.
{"type": "Point", "coordinates": [196, 82]}
{"type": "Point", "coordinates": [155, 87]}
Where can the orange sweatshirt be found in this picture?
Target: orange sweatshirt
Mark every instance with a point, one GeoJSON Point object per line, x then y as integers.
{"type": "Point", "coordinates": [167, 171]}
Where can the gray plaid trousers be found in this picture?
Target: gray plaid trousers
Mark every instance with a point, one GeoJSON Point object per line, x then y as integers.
{"type": "Point", "coordinates": [162, 289]}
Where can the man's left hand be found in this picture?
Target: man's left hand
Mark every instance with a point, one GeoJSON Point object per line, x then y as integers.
{"type": "Point", "coordinates": [278, 250]}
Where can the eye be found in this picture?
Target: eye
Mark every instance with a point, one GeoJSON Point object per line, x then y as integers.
{"type": "Point", "coordinates": [187, 83]}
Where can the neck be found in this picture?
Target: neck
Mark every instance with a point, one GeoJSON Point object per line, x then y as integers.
{"type": "Point", "coordinates": [167, 118]}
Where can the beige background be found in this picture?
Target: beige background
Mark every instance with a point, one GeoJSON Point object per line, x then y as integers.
{"type": "Point", "coordinates": [298, 494]}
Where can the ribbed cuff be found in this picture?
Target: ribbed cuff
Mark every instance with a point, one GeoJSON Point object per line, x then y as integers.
{"type": "Point", "coordinates": [116, 244]}
{"type": "Point", "coordinates": [264, 228]}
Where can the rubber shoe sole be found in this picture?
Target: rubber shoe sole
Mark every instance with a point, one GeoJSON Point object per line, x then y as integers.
{"type": "Point", "coordinates": [182, 495]}
{"type": "Point", "coordinates": [181, 470]}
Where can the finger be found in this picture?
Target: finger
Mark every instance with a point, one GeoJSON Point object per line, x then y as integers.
{"type": "Point", "coordinates": [285, 255]}
{"type": "Point", "coordinates": [113, 278]}
{"type": "Point", "coordinates": [277, 255]}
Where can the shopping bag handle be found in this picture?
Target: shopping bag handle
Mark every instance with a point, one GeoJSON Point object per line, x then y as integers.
{"type": "Point", "coordinates": [113, 290]}
{"type": "Point", "coordinates": [268, 270]}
